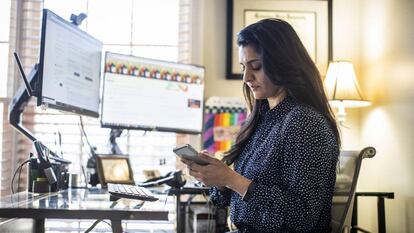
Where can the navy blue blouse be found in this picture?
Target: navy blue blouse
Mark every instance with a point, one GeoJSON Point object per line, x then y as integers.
{"type": "Point", "coordinates": [291, 158]}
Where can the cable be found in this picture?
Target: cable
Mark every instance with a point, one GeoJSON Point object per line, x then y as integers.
{"type": "Point", "coordinates": [101, 220]}
{"type": "Point", "coordinates": [84, 176]}
{"type": "Point", "coordinates": [109, 224]}
{"type": "Point", "coordinates": [18, 179]}
{"type": "Point", "coordinates": [15, 173]}
{"type": "Point", "coordinates": [60, 142]}
{"type": "Point", "coordinates": [190, 212]}
{"type": "Point", "coordinates": [93, 225]}
{"type": "Point", "coordinates": [56, 134]}
{"type": "Point", "coordinates": [209, 214]}
{"type": "Point", "coordinates": [86, 136]}
{"type": "Point", "coordinates": [166, 198]}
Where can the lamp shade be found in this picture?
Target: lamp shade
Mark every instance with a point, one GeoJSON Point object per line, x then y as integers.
{"type": "Point", "coordinates": [341, 86]}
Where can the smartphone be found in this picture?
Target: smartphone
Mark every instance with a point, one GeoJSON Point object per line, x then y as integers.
{"type": "Point", "coordinates": [188, 152]}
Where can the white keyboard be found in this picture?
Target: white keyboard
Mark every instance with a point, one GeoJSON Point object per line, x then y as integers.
{"type": "Point", "coordinates": [131, 192]}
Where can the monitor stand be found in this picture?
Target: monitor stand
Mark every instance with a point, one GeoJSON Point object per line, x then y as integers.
{"type": "Point", "coordinates": [20, 101]}
{"type": "Point", "coordinates": [115, 133]}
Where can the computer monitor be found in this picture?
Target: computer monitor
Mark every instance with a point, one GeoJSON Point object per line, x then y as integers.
{"type": "Point", "coordinates": [147, 94]}
{"type": "Point", "coordinates": [114, 169]}
{"type": "Point", "coordinates": [69, 67]}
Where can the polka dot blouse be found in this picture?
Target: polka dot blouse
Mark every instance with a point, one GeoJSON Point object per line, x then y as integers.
{"type": "Point", "coordinates": [291, 159]}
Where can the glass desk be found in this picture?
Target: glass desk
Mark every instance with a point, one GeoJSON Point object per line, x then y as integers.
{"type": "Point", "coordinates": [79, 204]}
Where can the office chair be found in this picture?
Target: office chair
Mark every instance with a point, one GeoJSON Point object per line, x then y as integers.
{"type": "Point", "coordinates": [349, 165]}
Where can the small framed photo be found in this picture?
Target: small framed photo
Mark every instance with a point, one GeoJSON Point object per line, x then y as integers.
{"type": "Point", "coordinates": [311, 19]}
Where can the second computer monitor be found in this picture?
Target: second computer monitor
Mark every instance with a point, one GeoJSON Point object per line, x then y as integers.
{"type": "Point", "coordinates": [141, 93]}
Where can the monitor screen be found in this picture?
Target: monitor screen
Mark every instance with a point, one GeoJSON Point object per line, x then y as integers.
{"type": "Point", "coordinates": [69, 69]}
{"type": "Point", "coordinates": [141, 93]}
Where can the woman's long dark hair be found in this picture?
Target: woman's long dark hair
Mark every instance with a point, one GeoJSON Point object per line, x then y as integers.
{"type": "Point", "coordinates": [287, 64]}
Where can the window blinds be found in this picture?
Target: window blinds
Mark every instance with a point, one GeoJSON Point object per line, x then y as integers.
{"type": "Point", "coordinates": [60, 131]}
{"type": "Point", "coordinates": [25, 17]}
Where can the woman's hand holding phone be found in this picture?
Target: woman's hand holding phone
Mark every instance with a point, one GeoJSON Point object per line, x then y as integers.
{"type": "Point", "coordinates": [217, 173]}
{"type": "Point", "coordinates": [213, 173]}
{"type": "Point", "coordinates": [187, 152]}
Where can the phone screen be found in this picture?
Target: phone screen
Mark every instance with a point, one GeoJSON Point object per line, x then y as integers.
{"type": "Point", "coordinates": [189, 153]}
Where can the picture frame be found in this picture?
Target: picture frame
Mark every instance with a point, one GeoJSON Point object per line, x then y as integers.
{"type": "Point", "coordinates": [311, 19]}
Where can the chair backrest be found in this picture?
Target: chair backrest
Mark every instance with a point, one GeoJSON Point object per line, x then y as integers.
{"type": "Point", "coordinates": [349, 164]}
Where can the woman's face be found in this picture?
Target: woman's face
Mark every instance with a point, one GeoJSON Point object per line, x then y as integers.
{"type": "Point", "coordinates": [253, 74]}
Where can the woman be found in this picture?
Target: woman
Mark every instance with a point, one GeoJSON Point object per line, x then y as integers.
{"type": "Point", "coordinates": [285, 154]}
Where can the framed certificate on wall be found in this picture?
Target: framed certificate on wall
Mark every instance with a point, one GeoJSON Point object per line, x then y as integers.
{"type": "Point", "coordinates": [311, 19]}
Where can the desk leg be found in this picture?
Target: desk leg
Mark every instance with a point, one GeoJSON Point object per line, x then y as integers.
{"type": "Point", "coordinates": [178, 212]}
{"type": "Point", "coordinates": [381, 215]}
{"type": "Point", "coordinates": [116, 225]}
{"type": "Point", "coordinates": [40, 225]}
{"type": "Point", "coordinates": [354, 221]}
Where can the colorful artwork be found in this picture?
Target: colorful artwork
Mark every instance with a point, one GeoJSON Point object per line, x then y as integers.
{"type": "Point", "coordinates": [222, 120]}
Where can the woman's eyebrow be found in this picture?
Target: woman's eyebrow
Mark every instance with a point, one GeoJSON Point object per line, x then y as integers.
{"type": "Point", "coordinates": [250, 61]}
{"type": "Point", "coordinates": [253, 60]}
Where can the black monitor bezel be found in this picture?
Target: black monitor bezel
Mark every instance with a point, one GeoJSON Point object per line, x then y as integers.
{"type": "Point", "coordinates": [39, 85]}
{"type": "Point", "coordinates": [143, 127]}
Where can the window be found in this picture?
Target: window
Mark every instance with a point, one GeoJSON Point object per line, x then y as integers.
{"type": "Point", "coordinates": [4, 44]}
{"type": "Point", "coordinates": [5, 7]}
{"type": "Point", "coordinates": [123, 27]}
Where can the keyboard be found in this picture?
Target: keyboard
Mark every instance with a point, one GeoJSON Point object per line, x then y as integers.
{"type": "Point", "coordinates": [131, 192]}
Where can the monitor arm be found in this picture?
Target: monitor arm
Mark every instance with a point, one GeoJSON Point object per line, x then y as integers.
{"type": "Point", "coordinates": [20, 101]}
{"type": "Point", "coordinates": [115, 133]}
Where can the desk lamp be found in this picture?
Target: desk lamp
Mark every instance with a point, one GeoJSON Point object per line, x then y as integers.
{"type": "Point", "coordinates": [342, 88]}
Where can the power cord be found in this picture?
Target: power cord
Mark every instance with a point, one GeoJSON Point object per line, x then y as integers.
{"type": "Point", "coordinates": [190, 212]}
{"type": "Point", "coordinates": [101, 220]}
{"type": "Point", "coordinates": [210, 207]}
{"type": "Point", "coordinates": [18, 169]}
{"type": "Point", "coordinates": [96, 223]}
{"type": "Point", "coordinates": [18, 178]}
{"type": "Point", "coordinates": [91, 162]}
{"type": "Point", "coordinates": [58, 141]}
{"type": "Point", "coordinates": [84, 176]}
{"type": "Point", "coordinates": [166, 198]}
{"type": "Point", "coordinates": [109, 224]}
{"type": "Point", "coordinates": [82, 128]}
